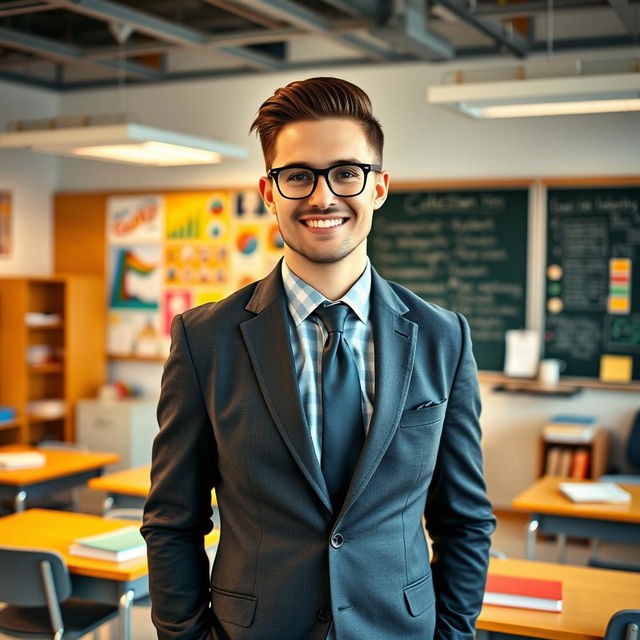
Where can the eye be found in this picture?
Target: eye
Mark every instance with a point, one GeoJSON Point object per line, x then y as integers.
{"type": "Point", "coordinates": [346, 174]}
{"type": "Point", "coordinates": [297, 176]}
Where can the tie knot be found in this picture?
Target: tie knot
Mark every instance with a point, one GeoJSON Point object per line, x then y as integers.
{"type": "Point", "coordinates": [333, 316]}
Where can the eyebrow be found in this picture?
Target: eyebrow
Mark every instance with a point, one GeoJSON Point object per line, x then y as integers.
{"type": "Point", "coordinates": [331, 164]}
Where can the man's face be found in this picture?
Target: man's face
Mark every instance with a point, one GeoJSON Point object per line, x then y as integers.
{"type": "Point", "coordinates": [346, 222]}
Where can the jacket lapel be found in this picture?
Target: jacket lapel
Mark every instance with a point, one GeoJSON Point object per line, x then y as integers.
{"type": "Point", "coordinates": [395, 345]}
{"type": "Point", "coordinates": [269, 346]}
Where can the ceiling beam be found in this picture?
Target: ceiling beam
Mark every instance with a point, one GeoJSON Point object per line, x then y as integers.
{"type": "Point", "coordinates": [406, 29]}
{"type": "Point", "coordinates": [299, 16]}
{"type": "Point", "coordinates": [60, 52]}
{"type": "Point", "coordinates": [512, 41]}
{"type": "Point", "coordinates": [628, 15]}
{"type": "Point", "coordinates": [254, 58]}
{"type": "Point", "coordinates": [140, 21]}
{"type": "Point", "coordinates": [246, 14]}
{"type": "Point", "coordinates": [24, 6]}
{"type": "Point", "coordinates": [150, 25]}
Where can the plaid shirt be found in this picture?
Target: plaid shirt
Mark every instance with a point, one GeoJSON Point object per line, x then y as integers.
{"type": "Point", "coordinates": [308, 336]}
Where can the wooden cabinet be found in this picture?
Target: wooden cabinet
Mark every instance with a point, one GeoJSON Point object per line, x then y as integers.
{"type": "Point", "coordinates": [52, 353]}
{"type": "Point", "coordinates": [568, 454]}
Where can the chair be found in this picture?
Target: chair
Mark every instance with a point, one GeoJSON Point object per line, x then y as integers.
{"type": "Point", "coordinates": [632, 455]}
{"type": "Point", "coordinates": [624, 625]}
{"type": "Point", "coordinates": [36, 585]}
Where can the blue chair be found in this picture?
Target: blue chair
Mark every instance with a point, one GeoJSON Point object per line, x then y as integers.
{"type": "Point", "coordinates": [632, 455]}
{"type": "Point", "coordinates": [624, 625]}
{"type": "Point", "coordinates": [36, 586]}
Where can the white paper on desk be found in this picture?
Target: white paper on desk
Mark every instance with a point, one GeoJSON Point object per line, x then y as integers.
{"type": "Point", "coordinates": [522, 353]}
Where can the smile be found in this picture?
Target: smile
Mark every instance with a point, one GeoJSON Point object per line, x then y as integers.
{"type": "Point", "coordinates": [324, 223]}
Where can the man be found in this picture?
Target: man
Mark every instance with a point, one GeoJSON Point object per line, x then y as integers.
{"type": "Point", "coordinates": [326, 440]}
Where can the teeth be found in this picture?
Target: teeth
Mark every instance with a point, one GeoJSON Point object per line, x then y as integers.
{"type": "Point", "coordinates": [324, 223]}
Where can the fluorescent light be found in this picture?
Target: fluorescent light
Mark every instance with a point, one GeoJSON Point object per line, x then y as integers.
{"type": "Point", "coordinates": [128, 143]}
{"type": "Point", "coordinates": [552, 108]}
{"type": "Point", "coordinates": [156, 153]}
{"type": "Point", "coordinates": [541, 97]}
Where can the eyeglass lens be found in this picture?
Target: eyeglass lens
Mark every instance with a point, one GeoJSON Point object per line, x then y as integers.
{"type": "Point", "coordinates": [344, 180]}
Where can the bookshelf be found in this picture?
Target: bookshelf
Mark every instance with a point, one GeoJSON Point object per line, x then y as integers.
{"type": "Point", "coordinates": [52, 336]}
{"type": "Point", "coordinates": [579, 460]}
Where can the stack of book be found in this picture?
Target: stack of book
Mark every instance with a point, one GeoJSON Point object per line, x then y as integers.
{"type": "Point", "coordinates": [119, 545]}
{"type": "Point", "coordinates": [607, 492]}
{"type": "Point", "coordinates": [21, 460]}
{"type": "Point", "coordinates": [523, 593]}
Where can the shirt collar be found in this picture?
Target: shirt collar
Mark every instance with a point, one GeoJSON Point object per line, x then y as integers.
{"type": "Point", "coordinates": [303, 299]}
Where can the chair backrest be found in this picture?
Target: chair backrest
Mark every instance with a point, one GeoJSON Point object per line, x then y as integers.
{"type": "Point", "coordinates": [21, 578]}
{"type": "Point", "coordinates": [624, 625]}
{"type": "Point", "coordinates": [633, 443]}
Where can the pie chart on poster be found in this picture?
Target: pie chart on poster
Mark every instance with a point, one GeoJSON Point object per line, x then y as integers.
{"type": "Point", "coordinates": [275, 238]}
{"type": "Point", "coordinates": [216, 229]}
{"type": "Point", "coordinates": [216, 207]}
{"type": "Point", "coordinates": [247, 243]}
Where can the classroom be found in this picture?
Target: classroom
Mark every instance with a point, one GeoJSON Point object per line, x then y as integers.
{"type": "Point", "coordinates": [527, 226]}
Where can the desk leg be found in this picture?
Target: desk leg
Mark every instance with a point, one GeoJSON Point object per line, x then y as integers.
{"type": "Point", "coordinates": [19, 500]}
{"type": "Point", "coordinates": [532, 528]}
{"type": "Point", "coordinates": [562, 548]}
{"type": "Point", "coordinates": [124, 608]}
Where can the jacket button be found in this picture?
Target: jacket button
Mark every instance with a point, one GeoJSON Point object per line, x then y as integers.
{"type": "Point", "coordinates": [337, 540]}
{"type": "Point", "coordinates": [324, 615]}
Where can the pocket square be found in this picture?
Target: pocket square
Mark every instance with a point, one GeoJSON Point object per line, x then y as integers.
{"type": "Point", "coordinates": [424, 405]}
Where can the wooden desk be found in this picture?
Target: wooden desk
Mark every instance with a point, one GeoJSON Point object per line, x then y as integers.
{"type": "Point", "coordinates": [98, 580]}
{"type": "Point", "coordinates": [128, 488]}
{"type": "Point", "coordinates": [551, 512]}
{"type": "Point", "coordinates": [590, 598]}
{"type": "Point", "coordinates": [62, 470]}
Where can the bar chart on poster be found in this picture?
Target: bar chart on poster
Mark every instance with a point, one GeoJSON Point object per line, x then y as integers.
{"type": "Point", "coordinates": [592, 314]}
{"type": "Point", "coordinates": [463, 249]}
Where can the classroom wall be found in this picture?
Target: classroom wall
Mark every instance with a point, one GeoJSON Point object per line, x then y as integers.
{"type": "Point", "coordinates": [31, 179]}
{"type": "Point", "coordinates": [423, 143]}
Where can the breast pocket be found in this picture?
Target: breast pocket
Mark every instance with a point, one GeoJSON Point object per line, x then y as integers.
{"type": "Point", "coordinates": [423, 416]}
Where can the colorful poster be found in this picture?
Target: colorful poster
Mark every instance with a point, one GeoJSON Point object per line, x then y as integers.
{"type": "Point", "coordinates": [5, 223]}
{"type": "Point", "coordinates": [197, 216]}
{"type": "Point", "coordinates": [248, 206]}
{"type": "Point", "coordinates": [134, 219]}
{"type": "Point", "coordinates": [175, 301]}
{"type": "Point", "coordinates": [135, 334]}
{"type": "Point", "coordinates": [192, 263]}
{"type": "Point", "coordinates": [135, 277]}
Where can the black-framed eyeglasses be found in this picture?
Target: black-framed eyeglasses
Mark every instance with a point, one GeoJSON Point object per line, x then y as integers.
{"type": "Point", "coordinates": [347, 179]}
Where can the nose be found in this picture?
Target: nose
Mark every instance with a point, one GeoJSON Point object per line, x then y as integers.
{"type": "Point", "coordinates": [322, 196]}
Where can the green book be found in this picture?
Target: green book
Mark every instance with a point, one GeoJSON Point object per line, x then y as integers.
{"type": "Point", "coordinates": [117, 546]}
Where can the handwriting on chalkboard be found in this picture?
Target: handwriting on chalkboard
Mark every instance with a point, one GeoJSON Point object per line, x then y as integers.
{"type": "Point", "coordinates": [464, 251]}
{"type": "Point", "coordinates": [592, 300]}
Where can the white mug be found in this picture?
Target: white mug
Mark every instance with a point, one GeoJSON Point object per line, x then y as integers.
{"type": "Point", "coordinates": [549, 372]}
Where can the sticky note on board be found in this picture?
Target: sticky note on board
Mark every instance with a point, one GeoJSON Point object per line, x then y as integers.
{"type": "Point", "coordinates": [616, 368]}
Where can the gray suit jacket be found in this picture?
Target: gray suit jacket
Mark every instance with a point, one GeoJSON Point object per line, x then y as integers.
{"type": "Point", "coordinates": [288, 566]}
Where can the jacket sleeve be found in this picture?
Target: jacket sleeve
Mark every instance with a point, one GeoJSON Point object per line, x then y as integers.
{"type": "Point", "coordinates": [458, 514]}
{"type": "Point", "coordinates": [177, 512]}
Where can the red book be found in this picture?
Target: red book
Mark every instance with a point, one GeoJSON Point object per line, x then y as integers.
{"type": "Point", "coordinates": [524, 593]}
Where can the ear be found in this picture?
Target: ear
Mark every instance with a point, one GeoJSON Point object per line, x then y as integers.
{"type": "Point", "coordinates": [381, 189]}
{"type": "Point", "coordinates": [265, 186]}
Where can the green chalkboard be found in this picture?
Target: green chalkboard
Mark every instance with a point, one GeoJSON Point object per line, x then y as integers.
{"type": "Point", "coordinates": [465, 250]}
{"type": "Point", "coordinates": [592, 277]}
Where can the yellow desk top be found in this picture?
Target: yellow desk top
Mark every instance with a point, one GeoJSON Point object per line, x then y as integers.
{"type": "Point", "coordinates": [590, 598]}
{"type": "Point", "coordinates": [544, 497]}
{"type": "Point", "coordinates": [55, 530]}
{"type": "Point", "coordinates": [58, 464]}
{"type": "Point", "coordinates": [129, 482]}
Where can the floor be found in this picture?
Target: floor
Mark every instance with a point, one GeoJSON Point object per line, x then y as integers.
{"type": "Point", "coordinates": [509, 538]}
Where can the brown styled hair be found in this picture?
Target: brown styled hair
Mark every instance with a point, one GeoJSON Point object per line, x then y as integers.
{"type": "Point", "coordinates": [315, 99]}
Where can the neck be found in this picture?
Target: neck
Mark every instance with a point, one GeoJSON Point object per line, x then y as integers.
{"type": "Point", "coordinates": [331, 279]}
